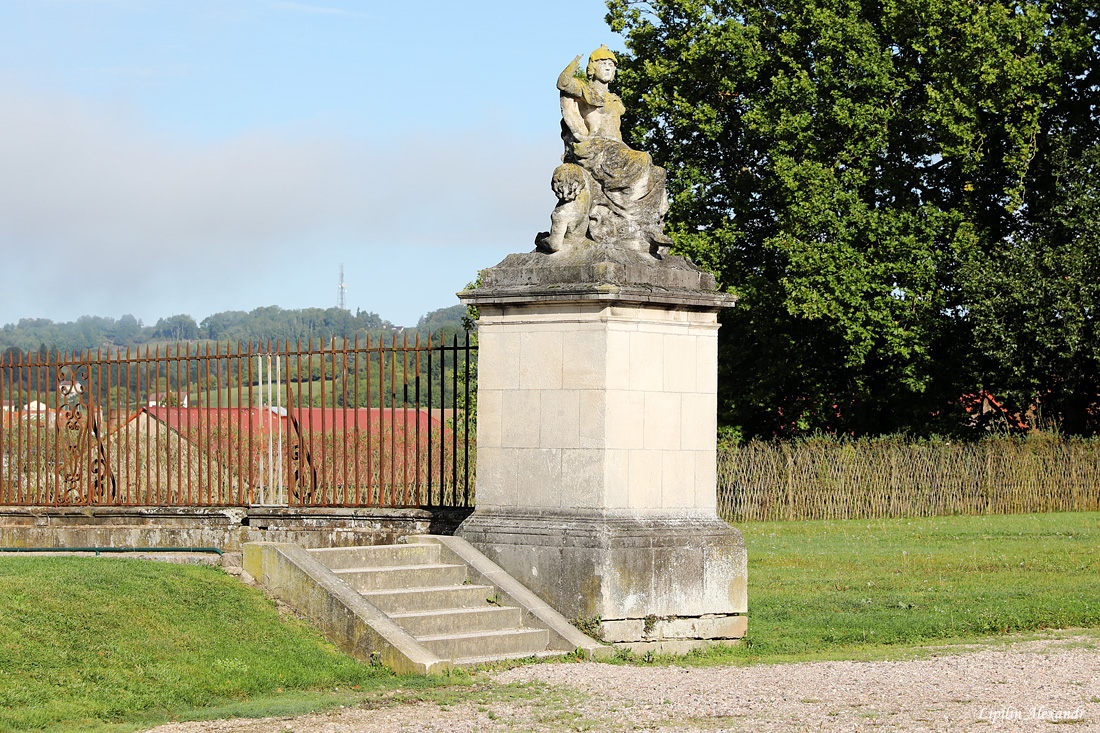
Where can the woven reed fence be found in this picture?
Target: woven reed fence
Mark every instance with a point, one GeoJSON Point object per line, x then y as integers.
{"type": "Point", "coordinates": [891, 477]}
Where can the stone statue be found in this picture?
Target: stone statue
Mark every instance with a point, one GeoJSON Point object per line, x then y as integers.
{"type": "Point", "coordinates": [569, 222]}
{"type": "Point", "coordinates": [588, 108]}
{"type": "Point", "coordinates": [619, 191]}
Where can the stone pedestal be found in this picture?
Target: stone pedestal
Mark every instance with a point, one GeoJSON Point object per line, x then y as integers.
{"type": "Point", "coordinates": [596, 483]}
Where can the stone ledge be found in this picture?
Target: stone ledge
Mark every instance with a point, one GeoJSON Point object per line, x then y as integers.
{"type": "Point", "coordinates": [679, 299]}
{"type": "Point", "coordinates": [598, 273]}
{"type": "Point", "coordinates": [224, 527]}
{"type": "Point", "coordinates": [570, 528]}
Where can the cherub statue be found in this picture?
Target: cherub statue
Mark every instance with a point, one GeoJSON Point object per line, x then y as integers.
{"type": "Point", "coordinates": [569, 221]}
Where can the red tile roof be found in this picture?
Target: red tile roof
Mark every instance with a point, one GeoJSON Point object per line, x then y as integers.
{"type": "Point", "coordinates": [310, 419]}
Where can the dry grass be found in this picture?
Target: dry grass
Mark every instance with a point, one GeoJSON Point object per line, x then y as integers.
{"type": "Point", "coordinates": [828, 478]}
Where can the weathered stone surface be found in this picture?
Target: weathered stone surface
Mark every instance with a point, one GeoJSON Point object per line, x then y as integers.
{"type": "Point", "coordinates": [596, 265]}
{"type": "Point", "coordinates": [674, 646]}
{"type": "Point", "coordinates": [617, 566]}
{"type": "Point", "coordinates": [610, 407]}
{"type": "Point", "coordinates": [617, 190]}
{"type": "Point", "coordinates": [226, 528]}
{"type": "Point", "coordinates": [702, 627]}
{"type": "Point", "coordinates": [615, 631]}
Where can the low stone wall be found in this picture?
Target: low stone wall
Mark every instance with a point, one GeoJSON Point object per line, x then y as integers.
{"type": "Point", "coordinates": [226, 528]}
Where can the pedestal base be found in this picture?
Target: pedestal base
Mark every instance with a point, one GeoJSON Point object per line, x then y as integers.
{"type": "Point", "coordinates": [669, 580]}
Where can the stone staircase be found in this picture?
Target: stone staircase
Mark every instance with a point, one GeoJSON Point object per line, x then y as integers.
{"type": "Point", "coordinates": [437, 603]}
{"type": "Point", "coordinates": [424, 606]}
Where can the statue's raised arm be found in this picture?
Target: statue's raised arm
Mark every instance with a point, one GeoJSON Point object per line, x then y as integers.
{"type": "Point", "coordinates": [568, 81]}
{"type": "Point", "coordinates": [587, 106]}
{"type": "Point", "coordinates": [572, 89]}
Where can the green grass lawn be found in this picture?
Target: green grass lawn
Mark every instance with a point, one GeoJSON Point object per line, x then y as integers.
{"type": "Point", "coordinates": [860, 588]}
{"type": "Point", "coordinates": [85, 641]}
{"type": "Point", "coordinates": [113, 644]}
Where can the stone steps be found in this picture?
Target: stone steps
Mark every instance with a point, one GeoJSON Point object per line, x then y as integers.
{"type": "Point", "coordinates": [392, 577]}
{"type": "Point", "coordinates": [339, 558]}
{"type": "Point", "coordinates": [514, 643]}
{"type": "Point", "coordinates": [430, 598]}
{"type": "Point", "coordinates": [452, 620]}
{"type": "Point", "coordinates": [436, 603]}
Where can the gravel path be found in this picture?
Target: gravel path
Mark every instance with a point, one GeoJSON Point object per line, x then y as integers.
{"type": "Point", "coordinates": [1024, 686]}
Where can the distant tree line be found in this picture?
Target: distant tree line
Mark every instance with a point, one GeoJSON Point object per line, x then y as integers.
{"type": "Point", "coordinates": [380, 377]}
{"type": "Point", "coordinates": [260, 325]}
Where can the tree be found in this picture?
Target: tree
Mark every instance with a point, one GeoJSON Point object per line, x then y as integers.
{"type": "Point", "coordinates": [1034, 295]}
{"type": "Point", "coordinates": [442, 319]}
{"type": "Point", "coordinates": [225, 326]}
{"type": "Point", "coordinates": [850, 169]}
{"type": "Point", "coordinates": [1034, 305]}
{"type": "Point", "coordinates": [126, 331]}
{"type": "Point", "coordinates": [177, 328]}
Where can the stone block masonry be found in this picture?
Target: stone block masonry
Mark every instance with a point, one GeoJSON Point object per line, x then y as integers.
{"type": "Point", "coordinates": [597, 403]}
{"type": "Point", "coordinates": [605, 402]}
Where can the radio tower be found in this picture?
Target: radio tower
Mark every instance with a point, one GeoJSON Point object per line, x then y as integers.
{"type": "Point", "coordinates": [342, 291]}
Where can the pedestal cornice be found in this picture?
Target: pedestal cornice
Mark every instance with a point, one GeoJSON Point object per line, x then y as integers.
{"type": "Point", "coordinates": [598, 274]}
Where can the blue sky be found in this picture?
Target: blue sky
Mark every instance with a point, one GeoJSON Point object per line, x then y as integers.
{"type": "Point", "coordinates": [160, 157]}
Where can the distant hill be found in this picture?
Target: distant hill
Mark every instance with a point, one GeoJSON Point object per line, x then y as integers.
{"type": "Point", "coordinates": [442, 319]}
{"type": "Point", "coordinates": [260, 325]}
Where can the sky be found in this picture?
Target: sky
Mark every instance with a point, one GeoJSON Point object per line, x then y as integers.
{"type": "Point", "coordinates": [160, 157]}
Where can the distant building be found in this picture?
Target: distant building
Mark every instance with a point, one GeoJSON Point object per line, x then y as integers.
{"type": "Point", "coordinates": [314, 451]}
{"type": "Point", "coordinates": [309, 420]}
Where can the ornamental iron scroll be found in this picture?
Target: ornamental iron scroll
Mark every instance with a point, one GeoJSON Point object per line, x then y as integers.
{"type": "Point", "coordinates": [82, 457]}
{"type": "Point", "coordinates": [303, 474]}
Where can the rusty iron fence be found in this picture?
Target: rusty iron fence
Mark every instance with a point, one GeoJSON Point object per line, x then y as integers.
{"type": "Point", "coordinates": [351, 424]}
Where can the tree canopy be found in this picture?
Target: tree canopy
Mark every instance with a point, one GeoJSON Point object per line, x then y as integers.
{"type": "Point", "coordinates": [903, 193]}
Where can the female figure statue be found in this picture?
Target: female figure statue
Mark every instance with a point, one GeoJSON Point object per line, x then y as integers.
{"type": "Point", "coordinates": [627, 191]}
{"type": "Point", "coordinates": [587, 106]}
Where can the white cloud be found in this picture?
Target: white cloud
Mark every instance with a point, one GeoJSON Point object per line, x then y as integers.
{"type": "Point", "coordinates": [92, 197]}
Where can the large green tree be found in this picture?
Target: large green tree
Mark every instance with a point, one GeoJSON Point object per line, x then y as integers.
{"type": "Point", "coordinates": [860, 173]}
{"type": "Point", "coordinates": [1034, 294]}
